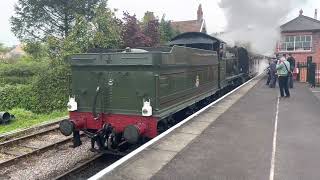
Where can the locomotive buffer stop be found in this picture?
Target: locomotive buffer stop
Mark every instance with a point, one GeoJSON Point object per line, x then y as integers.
{"type": "Point", "coordinates": [249, 134]}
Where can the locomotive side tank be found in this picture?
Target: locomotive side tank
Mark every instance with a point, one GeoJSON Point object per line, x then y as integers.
{"type": "Point", "coordinates": [124, 97]}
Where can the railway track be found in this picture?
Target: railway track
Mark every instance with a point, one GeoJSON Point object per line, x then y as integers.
{"type": "Point", "coordinates": [28, 131]}
{"type": "Point", "coordinates": [28, 143]}
{"type": "Point", "coordinates": [88, 168]}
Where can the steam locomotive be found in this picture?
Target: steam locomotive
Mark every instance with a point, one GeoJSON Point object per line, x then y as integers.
{"type": "Point", "coordinates": [124, 98]}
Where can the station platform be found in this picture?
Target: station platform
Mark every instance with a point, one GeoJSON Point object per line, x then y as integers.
{"type": "Point", "coordinates": [250, 135]}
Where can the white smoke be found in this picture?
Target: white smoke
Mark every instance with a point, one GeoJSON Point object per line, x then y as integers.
{"type": "Point", "coordinates": [262, 66]}
{"type": "Point", "coordinates": [256, 21]}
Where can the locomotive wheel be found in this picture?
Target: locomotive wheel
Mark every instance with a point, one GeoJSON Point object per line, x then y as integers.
{"type": "Point", "coordinates": [171, 121]}
{"type": "Point", "coordinates": [162, 126]}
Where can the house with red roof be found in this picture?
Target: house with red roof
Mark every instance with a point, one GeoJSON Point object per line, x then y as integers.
{"type": "Point", "coordinates": [198, 25]}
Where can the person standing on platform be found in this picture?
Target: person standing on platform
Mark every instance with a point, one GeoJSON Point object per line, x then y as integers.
{"type": "Point", "coordinates": [273, 75]}
{"type": "Point", "coordinates": [283, 71]}
{"type": "Point", "coordinates": [269, 75]}
{"type": "Point", "coordinates": [292, 62]}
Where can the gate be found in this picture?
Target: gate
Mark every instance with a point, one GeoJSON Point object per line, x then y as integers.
{"type": "Point", "coordinates": [303, 72]}
{"type": "Point", "coordinates": [309, 72]}
{"type": "Point", "coordinates": [317, 74]}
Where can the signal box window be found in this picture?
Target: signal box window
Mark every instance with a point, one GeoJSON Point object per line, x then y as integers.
{"type": "Point", "coordinates": [296, 43]}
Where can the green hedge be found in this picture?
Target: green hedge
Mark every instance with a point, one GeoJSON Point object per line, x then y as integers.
{"type": "Point", "coordinates": [20, 96]}
{"type": "Point", "coordinates": [51, 89]}
{"type": "Point", "coordinates": [21, 72]}
{"type": "Point", "coordinates": [48, 92]}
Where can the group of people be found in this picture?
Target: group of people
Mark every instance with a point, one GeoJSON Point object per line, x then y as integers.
{"type": "Point", "coordinates": [280, 69]}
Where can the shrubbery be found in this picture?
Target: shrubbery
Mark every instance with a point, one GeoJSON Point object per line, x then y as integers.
{"type": "Point", "coordinates": [21, 72]}
{"type": "Point", "coordinates": [51, 89]}
{"type": "Point", "coordinates": [16, 96]}
{"type": "Point", "coordinates": [34, 86]}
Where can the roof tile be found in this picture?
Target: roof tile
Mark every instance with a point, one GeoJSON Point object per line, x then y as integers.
{"type": "Point", "coordinates": [301, 23]}
{"type": "Point", "coordinates": [187, 26]}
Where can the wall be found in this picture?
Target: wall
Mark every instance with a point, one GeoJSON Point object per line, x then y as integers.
{"type": "Point", "coordinates": [315, 52]}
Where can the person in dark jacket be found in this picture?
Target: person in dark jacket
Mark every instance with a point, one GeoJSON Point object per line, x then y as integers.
{"type": "Point", "coordinates": [292, 62]}
{"type": "Point", "coordinates": [273, 75]}
{"type": "Point", "coordinates": [269, 75]}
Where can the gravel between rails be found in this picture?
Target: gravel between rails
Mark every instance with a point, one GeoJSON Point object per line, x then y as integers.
{"type": "Point", "coordinates": [20, 148]}
{"type": "Point", "coordinates": [88, 169]}
{"type": "Point", "coordinates": [49, 164]}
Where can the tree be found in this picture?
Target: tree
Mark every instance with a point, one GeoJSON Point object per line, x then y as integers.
{"type": "Point", "coordinates": [106, 29]}
{"type": "Point", "coordinates": [151, 28]}
{"type": "Point", "coordinates": [103, 31]}
{"type": "Point", "coordinates": [166, 31]}
{"type": "Point", "coordinates": [35, 19]}
{"type": "Point", "coordinates": [3, 49]}
{"type": "Point", "coordinates": [148, 16]}
{"type": "Point", "coordinates": [132, 34]}
{"type": "Point", "coordinates": [36, 49]}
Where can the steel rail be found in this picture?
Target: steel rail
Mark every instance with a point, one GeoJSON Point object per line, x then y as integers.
{"type": "Point", "coordinates": [10, 135]}
{"type": "Point", "coordinates": [78, 167]}
{"type": "Point", "coordinates": [36, 151]}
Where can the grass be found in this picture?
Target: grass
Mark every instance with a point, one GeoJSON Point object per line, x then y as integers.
{"type": "Point", "coordinates": [24, 119]}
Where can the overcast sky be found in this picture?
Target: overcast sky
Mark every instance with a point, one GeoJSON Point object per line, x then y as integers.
{"type": "Point", "coordinates": [174, 10]}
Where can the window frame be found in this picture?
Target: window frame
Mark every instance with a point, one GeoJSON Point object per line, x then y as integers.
{"type": "Point", "coordinates": [292, 40]}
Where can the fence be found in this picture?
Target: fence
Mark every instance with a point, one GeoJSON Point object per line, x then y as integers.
{"type": "Point", "coordinates": [309, 72]}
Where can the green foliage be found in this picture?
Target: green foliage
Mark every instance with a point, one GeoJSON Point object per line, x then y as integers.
{"type": "Point", "coordinates": [35, 20]}
{"type": "Point", "coordinates": [3, 48]}
{"type": "Point", "coordinates": [20, 96]}
{"type": "Point", "coordinates": [21, 72]}
{"type": "Point", "coordinates": [166, 31]}
{"type": "Point", "coordinates": [148, 16]}
{"type": "Point", "coordinates": [44, 93]}
{"type": "Point", "coordinates": [51, 89]}
{"type": "Point", "coordinates": [25, 119]}
{"type": "Point", "coordinates": [107, 27]}
{"type": "Point", "coordinates": [77, 41]}
{"type": "Point", "coordinates": [36, 49]}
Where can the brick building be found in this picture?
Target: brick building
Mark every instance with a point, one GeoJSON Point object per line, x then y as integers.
{"type": "Point", "coordinates": [198, 25]}
{"type": "Point", "coordinates": [301, 38]}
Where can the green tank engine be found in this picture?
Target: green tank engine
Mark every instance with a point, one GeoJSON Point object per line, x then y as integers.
{"type": "Point", "coordinates": [125, 97]}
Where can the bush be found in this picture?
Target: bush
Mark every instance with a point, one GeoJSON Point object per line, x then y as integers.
{"type": "Point", "coordinates": [51, 89]}
{"type": "Point", "coordinates": [22, 72]}
{"type": "Point", "coordinates": [16, 96]}
{"type": "Point", "coordinates": [48, 92]}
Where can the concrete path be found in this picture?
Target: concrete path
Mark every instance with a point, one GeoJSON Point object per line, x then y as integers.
{"type": "Point", "coordinates": [243, 143]}
{"type": "Point", "coordinates": [250, 135]}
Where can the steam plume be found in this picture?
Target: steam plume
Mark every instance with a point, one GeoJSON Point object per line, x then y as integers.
{"type": "Point", "coordinates": [256, 21]}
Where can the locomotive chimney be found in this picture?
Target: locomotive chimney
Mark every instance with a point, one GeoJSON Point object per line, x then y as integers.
{"type": "Point", "coordinates": [316, 14]}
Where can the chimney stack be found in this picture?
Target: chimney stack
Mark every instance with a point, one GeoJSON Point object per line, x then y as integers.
{"type": "Point", "coordinates": [316, 14]}
{"type": "Point", "coordinates": [200, 13]}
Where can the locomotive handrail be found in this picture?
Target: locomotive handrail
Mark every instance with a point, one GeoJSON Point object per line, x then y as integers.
{"type": "Point", "coordinates": [95, 103]}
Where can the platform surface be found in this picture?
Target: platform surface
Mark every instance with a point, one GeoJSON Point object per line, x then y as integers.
{"type": "Point", "coordinates": [236, 141]}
